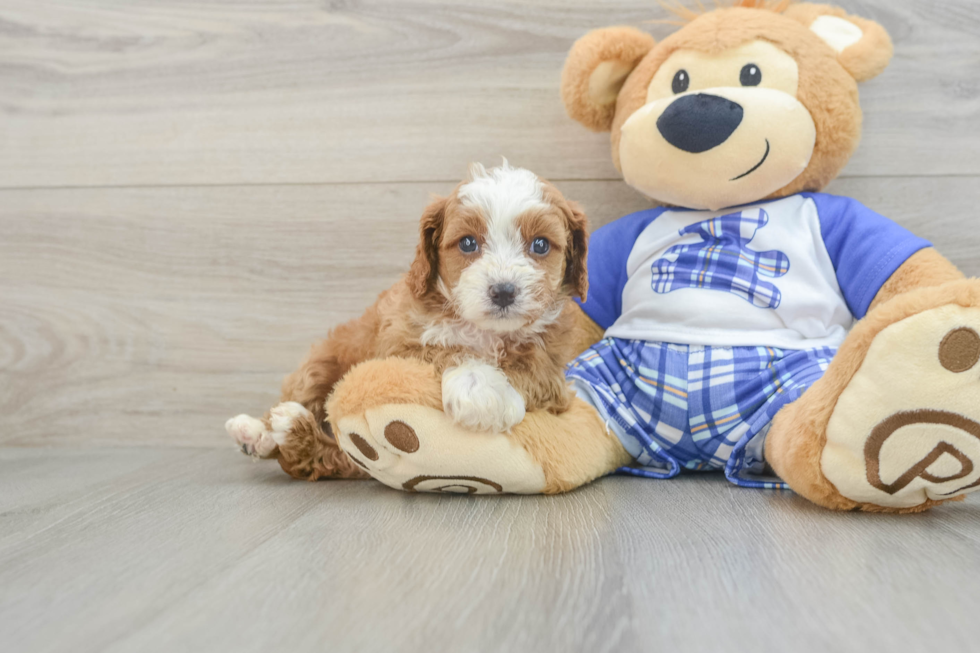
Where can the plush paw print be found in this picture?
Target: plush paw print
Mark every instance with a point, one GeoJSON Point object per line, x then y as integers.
{"type": "Point", "coordinates": [907, 428]}
{"type": "Point", "coordinates": [480, 397]}
{"type": "Point", "coordinates": [419, 449]}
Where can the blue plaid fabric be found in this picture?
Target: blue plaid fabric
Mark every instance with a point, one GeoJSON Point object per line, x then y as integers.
{"type": "Point", "coordinates": [693, 407]}
{"type": "Point", "coordinates": [723, 261]}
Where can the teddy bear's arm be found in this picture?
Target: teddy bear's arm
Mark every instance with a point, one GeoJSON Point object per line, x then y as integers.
{"type": "Point", "coordinates": [927, 267]}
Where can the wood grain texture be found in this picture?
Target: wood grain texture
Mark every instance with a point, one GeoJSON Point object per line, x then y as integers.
{"type": "Point", "coordinates": [188, 550]}
{"type": "Point", "coordinates": [152, 315]}
{"type": "Point", "coordinates": [143, 92]}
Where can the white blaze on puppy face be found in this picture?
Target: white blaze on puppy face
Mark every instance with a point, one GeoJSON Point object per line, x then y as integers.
{"type": "Point", "coordinates": [501, 196]}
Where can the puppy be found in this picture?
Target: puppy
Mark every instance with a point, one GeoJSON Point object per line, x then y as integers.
{"type": "Point", "coordinates": [484, 301]}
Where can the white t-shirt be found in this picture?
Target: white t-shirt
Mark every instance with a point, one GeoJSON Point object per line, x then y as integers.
{"type": "Point", "coordinates": [791, 273]}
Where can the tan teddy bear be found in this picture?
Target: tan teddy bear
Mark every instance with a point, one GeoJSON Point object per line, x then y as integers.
{"type": "Point", "coordinates": [752, 324]}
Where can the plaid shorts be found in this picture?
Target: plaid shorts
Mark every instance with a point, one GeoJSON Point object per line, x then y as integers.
{"type": "Point", "coordinates": [692, 407]}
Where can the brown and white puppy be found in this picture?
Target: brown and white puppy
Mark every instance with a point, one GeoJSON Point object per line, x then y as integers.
{"type": "Point", "coordinates": [484, 301]}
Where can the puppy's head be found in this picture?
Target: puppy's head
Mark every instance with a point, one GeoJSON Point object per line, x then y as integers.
{"type": "Point", "coordinates": [504, 250]}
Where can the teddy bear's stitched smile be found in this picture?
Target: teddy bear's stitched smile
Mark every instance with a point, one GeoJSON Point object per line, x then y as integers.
{"type": "Point", "coordinates": [756, 166]}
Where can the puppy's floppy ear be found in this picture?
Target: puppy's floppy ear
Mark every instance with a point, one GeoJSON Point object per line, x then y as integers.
{"type": "Point", "coordinates": [863, 46]}
{"type": "Point", "coordinates": [576, 251]}
{"type": "Point", "coordinates": [421, 276]}
{"type": "Point", "coordinates": [595, 70]}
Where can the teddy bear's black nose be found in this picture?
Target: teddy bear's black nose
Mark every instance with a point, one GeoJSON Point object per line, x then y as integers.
{"type": "Point", "coordinates": [697, 123]}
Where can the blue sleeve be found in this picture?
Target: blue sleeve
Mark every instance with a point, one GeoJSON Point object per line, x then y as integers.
{"type": "Point", "coordinates": [865, 248]}
{"type": "Point", "coordinates": [609, 249]}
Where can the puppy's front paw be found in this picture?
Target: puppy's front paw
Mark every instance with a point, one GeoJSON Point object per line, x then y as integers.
{"type": "Point", "coordinates": [480, 397]}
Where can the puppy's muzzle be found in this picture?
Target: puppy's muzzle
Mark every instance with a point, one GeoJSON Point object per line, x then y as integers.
{"type": "Point", "coordinates": [503, 294]}
{"type": "Point", "coordinates": [697, 123]}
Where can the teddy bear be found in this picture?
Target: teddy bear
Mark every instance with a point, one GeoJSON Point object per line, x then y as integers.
{"type": "Point", "coordinates": [750, 323]}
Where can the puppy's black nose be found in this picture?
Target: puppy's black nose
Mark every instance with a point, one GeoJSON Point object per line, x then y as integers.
{"type": "Point", "coordinates": [697, 123]}
{"type": "Point", "coordinates": [503, 294]}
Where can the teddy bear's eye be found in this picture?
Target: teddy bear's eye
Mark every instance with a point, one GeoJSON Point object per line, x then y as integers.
{"type": "Point", "coordinates": [681, 81]}
{"type": "Point", "coordinates": [750, 75]}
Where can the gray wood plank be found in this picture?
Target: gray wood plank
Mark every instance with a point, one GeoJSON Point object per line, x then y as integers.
{"type": "Point", "coordinates": [204, 551]}
{"type": "Point", "coordinates": [143, 92]}
{"type": "Point", "coordinates": [152, 315]}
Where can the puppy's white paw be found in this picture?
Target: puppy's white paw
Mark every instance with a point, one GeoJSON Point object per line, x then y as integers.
{"type": "Point", "coordinates": [282, 417]}
{"type": "Point", "coordinates": [250, 435]}
{"type": "Point", "coordinates": [480, 397]}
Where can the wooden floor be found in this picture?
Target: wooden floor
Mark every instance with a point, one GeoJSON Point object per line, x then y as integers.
{"type": "Point", "coordinates": [167, 549]}
{"type": "Point", "coordinates": [191, 191]}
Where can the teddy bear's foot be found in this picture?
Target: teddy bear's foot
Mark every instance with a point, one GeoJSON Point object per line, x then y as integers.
{"type": "Point", "coordinates": [903, 434]}
{"type": "Point", "coordinates": [420, 449]}
{"type": "Point", "coordinates": [387, 417]}
{"type": "Point", "coordinates": [906, 430]}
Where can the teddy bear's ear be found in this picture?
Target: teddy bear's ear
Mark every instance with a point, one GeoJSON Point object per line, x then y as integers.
{"type": "Point", "coordinates": [863, 46]}
{"type": "Point", "coordinates": [596, 69]}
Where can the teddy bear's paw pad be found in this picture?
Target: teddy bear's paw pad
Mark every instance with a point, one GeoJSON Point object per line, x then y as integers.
{"type": "Point", "coordinates": [420, 449]}
{"type": "Point", "coordinates": [907, 427]}
{"type": "Point", "coordinates": [251, 436]}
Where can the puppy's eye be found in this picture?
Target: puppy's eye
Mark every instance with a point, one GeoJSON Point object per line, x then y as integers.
{"type": "Point", "coordinates": [750, 75]}
{"type": "Point", "coordinates": [468, 244]}
{"type": "Point", "coordinates": [681, 81]}
{"type": "Point", "coordinates": [540, 246]}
